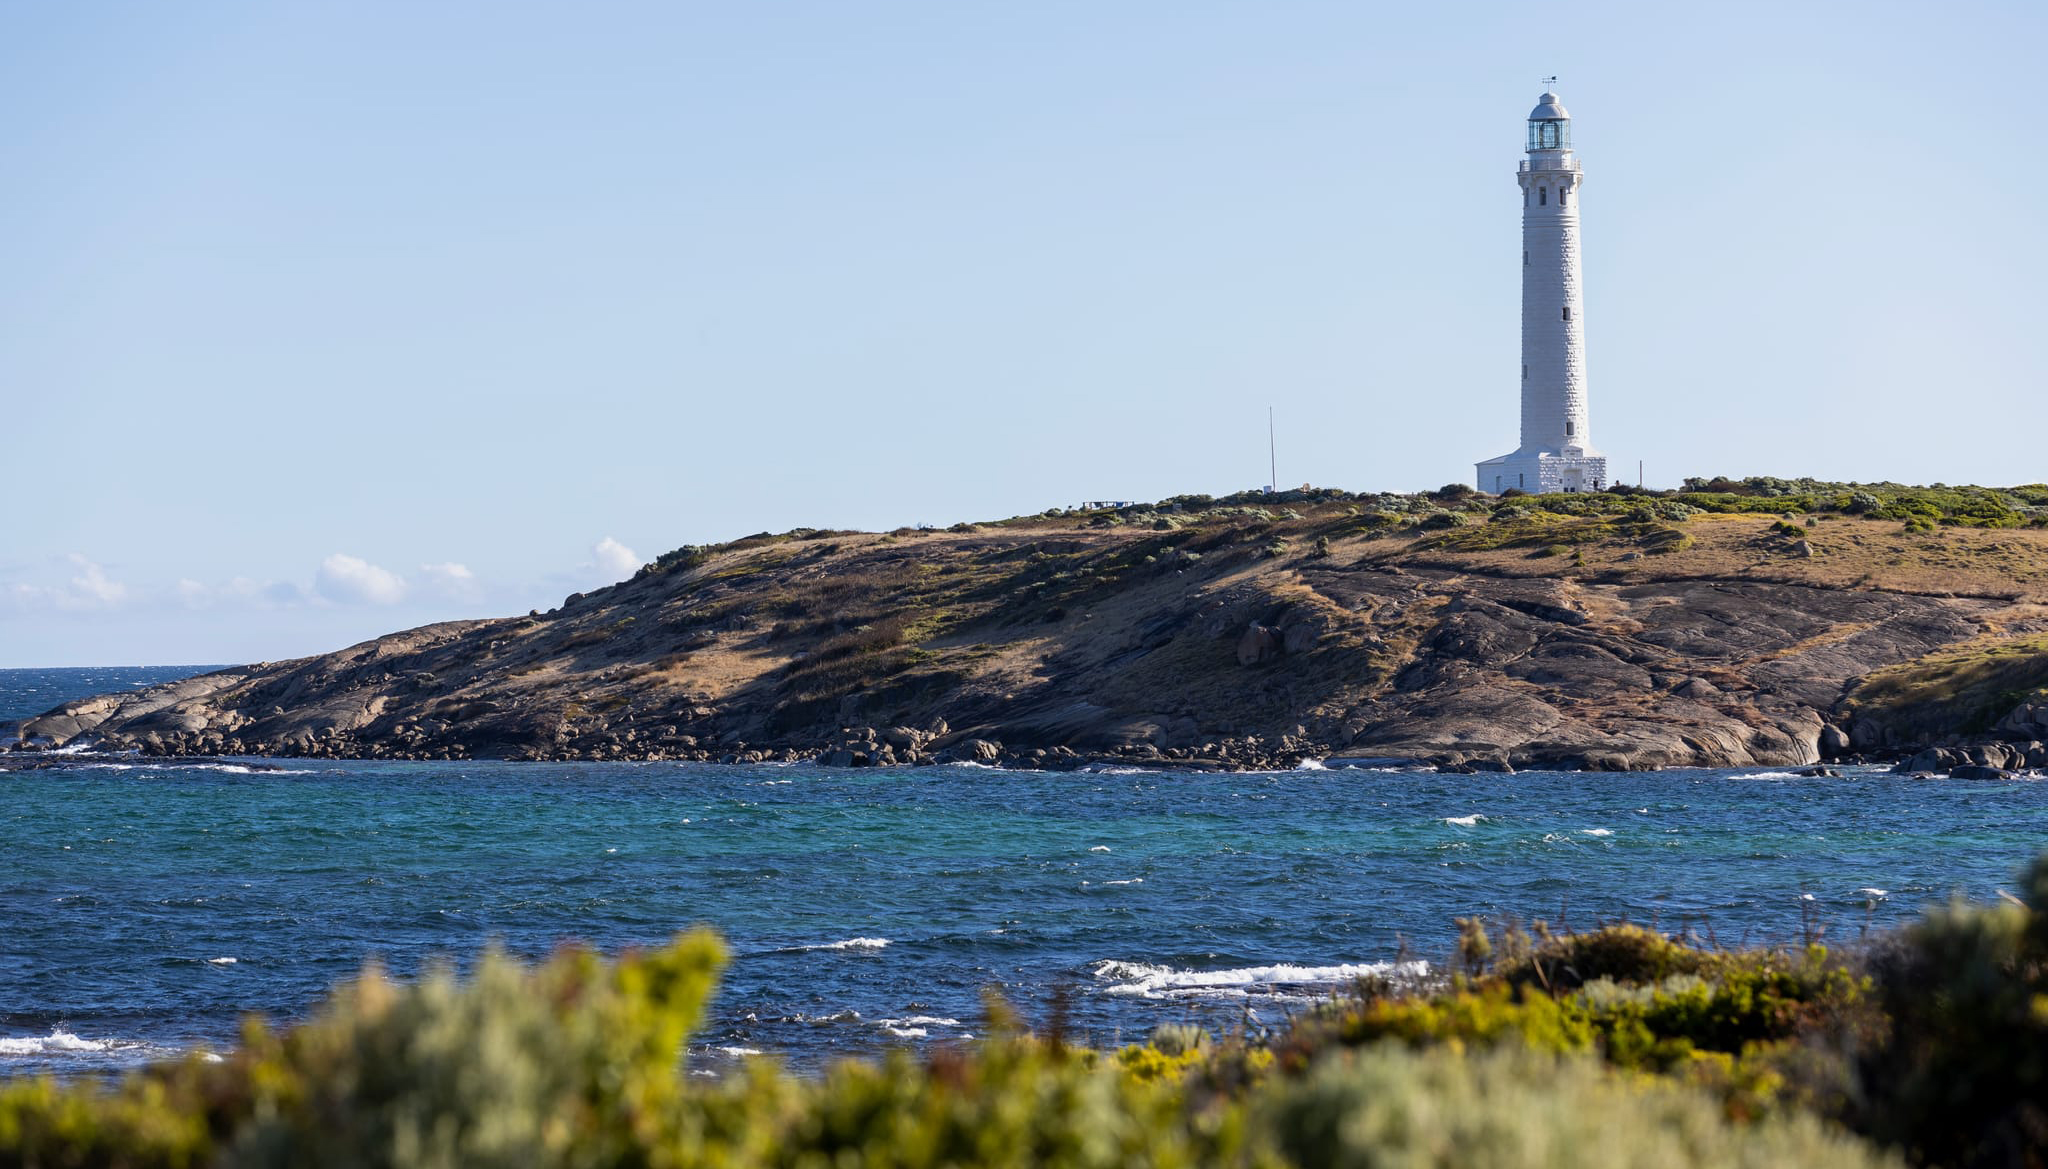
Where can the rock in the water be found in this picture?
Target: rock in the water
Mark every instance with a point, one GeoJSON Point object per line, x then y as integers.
{"type": "Point", "coordinates": [1977, 771]}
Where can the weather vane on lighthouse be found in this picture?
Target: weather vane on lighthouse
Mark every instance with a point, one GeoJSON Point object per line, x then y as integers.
{"type": "Point", "coordinates": [1557, 443]}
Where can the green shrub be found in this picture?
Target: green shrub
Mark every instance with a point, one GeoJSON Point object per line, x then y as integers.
{"type": "Point", "coordinates": [1514, 1109]}
{"type": "Point", "coordinates": [574, 1062]}
{"type": "Point", "coordinates": [1618, 953]}
{"type": "Point", "coordinates": [1961, 1077]}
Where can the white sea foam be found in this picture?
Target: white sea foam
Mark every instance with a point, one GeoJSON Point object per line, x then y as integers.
{"type": "Point", "coordinates": [850, 944]}
{"type": "Point", "coordinates": [736, 1051]}
{"type": "Point", "coordinates": [1875, 892]}
{"type": "Point", "coordinates": [1100, 848]}
{"type": "Point", "coordinates": [174, 765]}
{"type": "Point", "coordinates": [1597, 831]}
{"type": "Point", "coordinates": [57, 1040]}
{"type": "Point", "coordinates": [908, 1032]}
{"type": "Point", "coordinates": [918, 1021]}
{"type": "Point", "coordinates": [1310, 765]}
{"type": "Point", "coordinates": [1464, 821]}
{"type": "Point", "coordinates": [221, 961]}
{"type": "Point", "coordinates": [1155, 982]}
{"type": "Point", "coordinates": [1770, 775]}
{"type": "Point", "coordinates": [1132, 881]}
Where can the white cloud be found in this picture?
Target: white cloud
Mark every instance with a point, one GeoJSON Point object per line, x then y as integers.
{"type": "Point", "coordinates": [451, 580]}
{"type": "Point", "coordinates": [615, 559]}
{"type": "Point", "coordinates": [351, 580]}
{"type": "Point", "coordinates": [91, 588]}
{"type": "Point", "coordinates": [237, 592]}
{"type": "Point", "coordinates": [88, 589]}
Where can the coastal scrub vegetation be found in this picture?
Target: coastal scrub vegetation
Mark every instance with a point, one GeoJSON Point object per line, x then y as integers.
{"type": "Point", "coordinates": [1618, 1047]}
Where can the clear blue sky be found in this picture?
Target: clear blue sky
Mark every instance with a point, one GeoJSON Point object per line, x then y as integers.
{"type": "Point", "coordinates": [319, 320]}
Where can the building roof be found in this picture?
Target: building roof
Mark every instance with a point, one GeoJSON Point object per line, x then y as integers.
{"type": "Point", "coordinates": [1548, 109]}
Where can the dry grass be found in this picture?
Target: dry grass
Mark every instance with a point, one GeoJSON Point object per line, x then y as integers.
{"type": "Point", "coordinates": [1968, 687]}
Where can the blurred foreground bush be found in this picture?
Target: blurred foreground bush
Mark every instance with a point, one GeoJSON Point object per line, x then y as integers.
{"type": "Point", "coordinates": [1617, 1047]}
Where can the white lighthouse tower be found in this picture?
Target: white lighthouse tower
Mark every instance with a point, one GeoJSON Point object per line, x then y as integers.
{"type": "Point", "coordinates": [1557, 451]}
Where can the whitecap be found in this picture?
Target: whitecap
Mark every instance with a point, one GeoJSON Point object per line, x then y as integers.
{"type": "Point", "coordinates": [850, 944]}
{"type": "Point", "coordinates": [1100, 848]}
{"type": "Point", "coordinates": [1464, 821]}
{"type": "Point", "coordinates": [907, 1032]}
{"type": "Point", "coordinates": [221, 961]}
{"type": "Point", "coordinates": [1807, 897]}
{"type": "Point", "coordinates": [1597, 831]}
{"type": "Point", "coordinates": [737, 1051]}
{"type": "Point", "coordinates": [1310, 765]}
{"type": "Point", "coordinates": [918, 1021]}
{"type": "Point", "coordinates": [1132, 881]}
{"type": "Point", "coordinates": [57, 1040]}
{"type": "Point", "coordinates": [1153, 982]}
{"type": "Point", "coordinates": [1875, 892]}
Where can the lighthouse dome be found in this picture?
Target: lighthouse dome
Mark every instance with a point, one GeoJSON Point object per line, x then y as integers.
{"type": "Point", "coordinates": [1548, 109]}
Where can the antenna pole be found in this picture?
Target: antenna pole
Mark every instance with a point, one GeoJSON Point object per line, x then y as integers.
{"type": "Point", "coordinates": [1272, 453]}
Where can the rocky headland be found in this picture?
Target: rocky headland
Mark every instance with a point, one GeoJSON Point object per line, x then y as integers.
{"type": "Point", "coordinates": [1753, 624]}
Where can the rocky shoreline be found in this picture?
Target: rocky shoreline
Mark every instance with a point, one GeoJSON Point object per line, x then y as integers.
{"type": "Point", "coordinates": [1221, 638]}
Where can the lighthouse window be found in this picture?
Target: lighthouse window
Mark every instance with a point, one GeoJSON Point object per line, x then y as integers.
{"type": "Point", "coordinates": [1525, 373]}
{"type": "Point", "coordinates": [1568, 428]}
{"type": "Point", "coordinates": [1564, 195]}
{"type": "Point", "coordinates": [1567, 312]}
{"type": "Point", "coordinates": [1543, 196]}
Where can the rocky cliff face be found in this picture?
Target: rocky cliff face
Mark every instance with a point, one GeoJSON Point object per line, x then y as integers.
{"type": "Point", "coordinates": [1230, 638]}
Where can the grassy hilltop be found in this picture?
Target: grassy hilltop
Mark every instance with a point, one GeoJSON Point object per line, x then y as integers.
{"type": "Point", "coordinates": [1729, 623]}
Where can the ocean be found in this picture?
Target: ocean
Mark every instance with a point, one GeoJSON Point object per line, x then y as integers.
{"type": "Point", "coordinates": [145, 907]}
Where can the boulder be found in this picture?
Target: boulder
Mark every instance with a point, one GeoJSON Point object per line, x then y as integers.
{"type": "Point", "coordinates": [1258, 645]}
{"type": "Point", "coordinates": [976, 751]}
{"type": "Point", "coordinates": [2028, 720]}
{"type": "Point", "coordinates": [1974, 771]}
{"type": "Point", "coordinates": [1997, 755]}
{"type": "Point", "coordinates": [1930, 761]}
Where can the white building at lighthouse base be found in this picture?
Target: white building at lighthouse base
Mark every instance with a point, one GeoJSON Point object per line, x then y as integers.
{"type": "Point", "coordinates": [1541, 472]}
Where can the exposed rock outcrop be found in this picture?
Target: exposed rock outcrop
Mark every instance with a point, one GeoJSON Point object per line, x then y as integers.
{"type": "Point", "coordinates": [1195, 645]}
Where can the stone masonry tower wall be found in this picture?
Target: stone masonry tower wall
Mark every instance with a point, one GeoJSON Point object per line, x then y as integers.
{"type": "Point", "coordinates": [1556, 452]}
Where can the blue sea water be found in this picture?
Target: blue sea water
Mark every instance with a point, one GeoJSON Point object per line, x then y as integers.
{"type": "Point", "coordinates": [146, 905]}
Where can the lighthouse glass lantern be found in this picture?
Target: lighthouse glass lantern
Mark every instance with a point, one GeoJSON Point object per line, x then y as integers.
{"type": "Point", "coordinates": [1550, 134]}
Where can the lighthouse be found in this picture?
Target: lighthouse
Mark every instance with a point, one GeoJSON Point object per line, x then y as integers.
{"type": "Point", "coordinates": [1557, 452]}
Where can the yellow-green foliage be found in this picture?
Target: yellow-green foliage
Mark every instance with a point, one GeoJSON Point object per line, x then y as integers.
{"type": "Point", "coordinates": [1642, 1000]}
{"type": "Point", "coordinates": [1618, 1047]}
{"type": "Point", "coordinates": [1514, 1109]}
{"type": "Point", "coordinates": [573, 1063]}
{"type": "Point", "coordinates": [1623, 953]}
